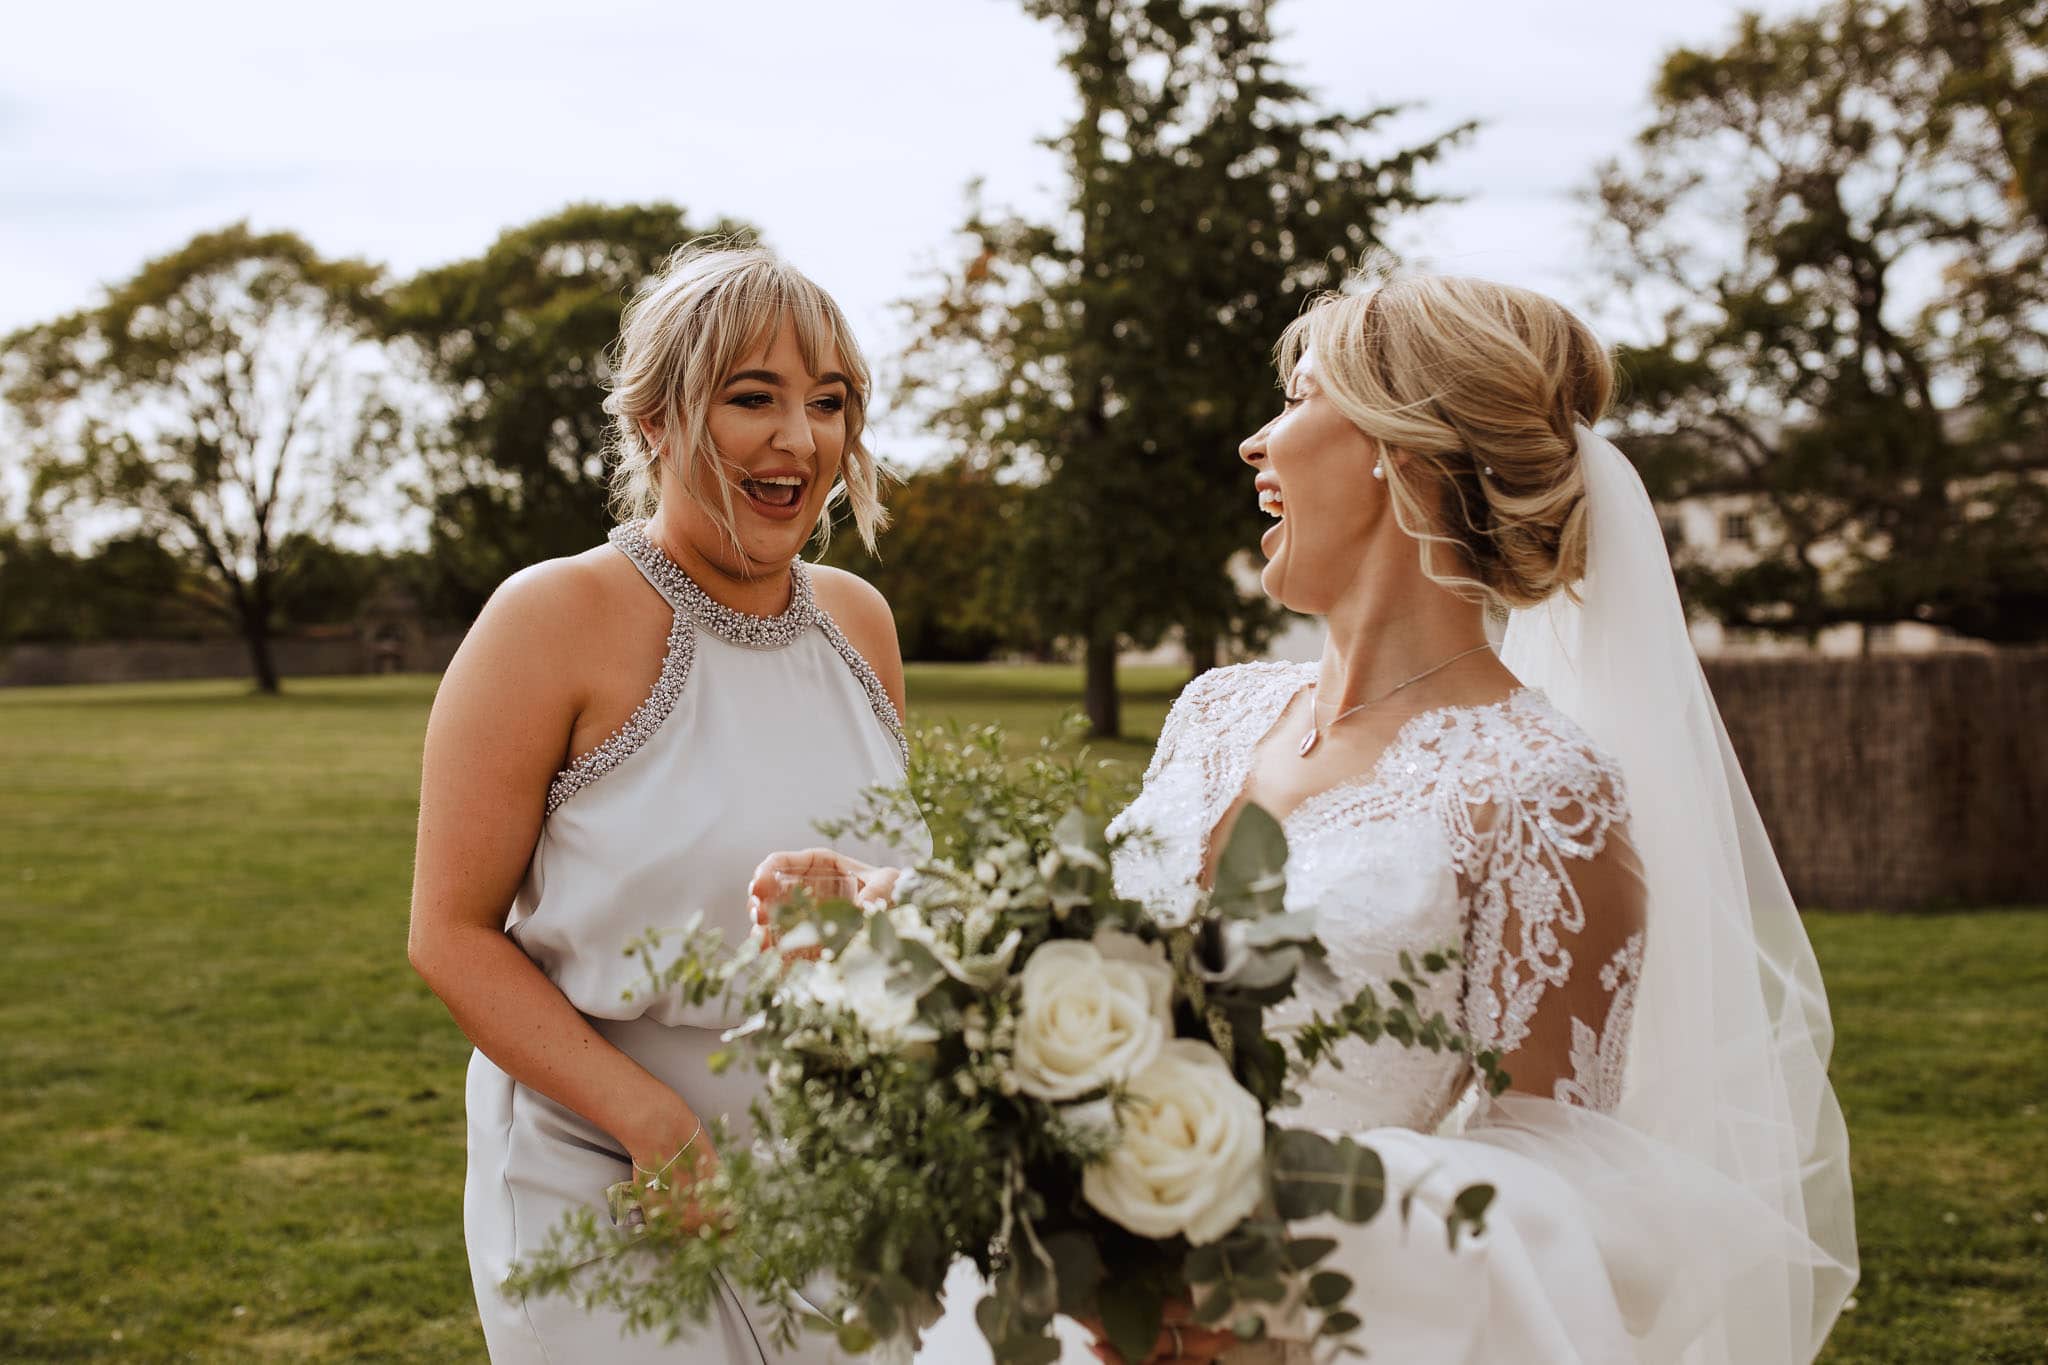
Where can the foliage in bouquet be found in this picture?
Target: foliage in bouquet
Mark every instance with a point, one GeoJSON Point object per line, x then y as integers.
{"type": "Point", "coordinates": [1013, 1065]}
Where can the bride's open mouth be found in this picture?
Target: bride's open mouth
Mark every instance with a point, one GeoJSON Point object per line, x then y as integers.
{"type": "Point", "coordinates": [1271, 503]}
{"type": "Point", "coordinates": [776, 496]}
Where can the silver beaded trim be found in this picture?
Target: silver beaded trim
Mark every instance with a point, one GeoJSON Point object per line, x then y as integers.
{"type": "Point", "coordinates": [695, 609]}
{"type": "Point", "coordinates": [864, 674]}
{"type": "Point", "coordinates": [640, 726]}
{"type": "Point", "coordinates": [736, 627]}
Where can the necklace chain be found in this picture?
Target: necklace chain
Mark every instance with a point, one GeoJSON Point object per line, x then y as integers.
{"type": "Point", "coordinates": [1316, 729]}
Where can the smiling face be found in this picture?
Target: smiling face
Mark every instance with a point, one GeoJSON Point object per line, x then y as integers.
{"type": "Point", "coordinates": [1315, 476]}
{"type": "Point", "coordinates": [780, 433]}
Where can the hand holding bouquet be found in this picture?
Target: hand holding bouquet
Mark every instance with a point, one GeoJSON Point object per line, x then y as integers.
{"type": "Point", "coordinates": [1009, 1063]}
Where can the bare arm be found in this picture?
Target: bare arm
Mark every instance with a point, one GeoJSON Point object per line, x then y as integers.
{"type": "Point", "coordinates": [500, 729]}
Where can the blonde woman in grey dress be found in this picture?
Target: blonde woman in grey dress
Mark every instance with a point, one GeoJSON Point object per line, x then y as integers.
{"type": "Point", "coordinates": [622, 736]}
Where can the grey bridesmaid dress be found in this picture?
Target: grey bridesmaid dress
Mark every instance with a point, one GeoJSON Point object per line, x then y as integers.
{"type": "Point", "coordinates": [756, 728]}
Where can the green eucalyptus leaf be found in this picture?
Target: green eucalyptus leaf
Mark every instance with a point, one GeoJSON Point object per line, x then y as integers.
{"type": "Point", "coordinates": [1327, 1288]}
{"type": "Point", "coordinates": [1078, 1268]}
{"type": "Point", "coordinates": [1204, 1263]}
{"type": "Point", "coordinates": [1131, 1315]}
{"type": "Point", "coordinates": [1339, 1324]}
{"type": "Point", "coordinates": [1365, 1182]}
{"type": "Point", "coordinates": [1215, 1306]}
{"type": "Point", "coordinates": [1303, 1252]}
{"type": "Point", "coordinates": [1304, 1170]}
{"type": "Point", "coordinates": [1251, 872]}
{"type": "Point", "coordinates": [1265, 1290]}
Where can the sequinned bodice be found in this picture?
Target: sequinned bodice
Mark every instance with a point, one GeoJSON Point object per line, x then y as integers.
{"type": "Point", "coordinates": [1467, 833]}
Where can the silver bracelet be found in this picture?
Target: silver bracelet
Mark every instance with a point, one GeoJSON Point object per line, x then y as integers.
{"type": "Point", "coordinates": [654, 1178]}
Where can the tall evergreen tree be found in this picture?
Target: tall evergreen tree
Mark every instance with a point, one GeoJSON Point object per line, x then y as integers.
{"type": "Point", "coordinates": [1116, 357]}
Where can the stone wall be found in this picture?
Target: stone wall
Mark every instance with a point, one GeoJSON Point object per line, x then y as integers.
{"type": "Point", "coordinates": [30, 665]}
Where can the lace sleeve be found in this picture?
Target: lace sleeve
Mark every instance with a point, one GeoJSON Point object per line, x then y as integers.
{"type": "Point", "coordinates": [1194, 704]}
{"type": "Point", "coordinates": [1554, 941]}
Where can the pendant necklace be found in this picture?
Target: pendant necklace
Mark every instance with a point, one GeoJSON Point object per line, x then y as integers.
{"type": "Point", "coordinates": [1315, 731]}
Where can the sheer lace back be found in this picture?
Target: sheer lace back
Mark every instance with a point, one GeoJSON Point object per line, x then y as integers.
{"type": "Point", "coordinates": [1499, 828]}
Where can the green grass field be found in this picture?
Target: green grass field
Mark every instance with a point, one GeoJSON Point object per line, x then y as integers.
{"type": "Point", "coordinates": [232, 1127]}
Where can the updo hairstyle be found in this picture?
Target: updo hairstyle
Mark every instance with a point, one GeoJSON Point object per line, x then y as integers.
{"type": "Point", "coordinates": [688, 328]}
{"type": "Point", "coordinates": [1473, 391]}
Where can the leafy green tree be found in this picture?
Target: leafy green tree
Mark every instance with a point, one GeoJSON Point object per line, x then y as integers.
{"type": "Point", "coordinates": [231, 393]}
{"type": "Point", "coordinates": [947, 564]}
{"type": "Point", "coordinates": [518, 338]}
{"type": "Point", "coordinates": [1114, 359]}
{"type": "Point", "coordinates": [1833, 227]}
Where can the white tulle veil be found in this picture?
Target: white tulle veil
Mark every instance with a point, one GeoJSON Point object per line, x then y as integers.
{"type": "Point", "coordinates": [1727, 1072]}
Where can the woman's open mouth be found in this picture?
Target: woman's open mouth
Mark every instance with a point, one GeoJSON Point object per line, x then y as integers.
{"type": "Point", "coordinates": [1271, 504]}
{"type": "Point", "coordinates": [778, 497]}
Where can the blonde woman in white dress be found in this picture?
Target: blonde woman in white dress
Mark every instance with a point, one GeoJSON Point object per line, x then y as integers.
{"type": "Point", "coordinates": [622, 737]}
{"type": "Point", "coordinates": [1671, 1168]}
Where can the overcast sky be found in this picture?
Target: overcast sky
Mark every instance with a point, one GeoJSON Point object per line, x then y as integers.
{"type": "Point", "coordinates": [412, 131]}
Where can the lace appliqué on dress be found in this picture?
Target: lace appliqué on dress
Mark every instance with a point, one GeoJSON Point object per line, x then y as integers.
{"type": "Point", "coordinates": [1599, 1061]}
{"type": "Point", "coordinates": [1464, 830]}
{"type": "Point", "coordinates": [1198, 767]}
{"type": "Point", "coordinates": [1546, 795]}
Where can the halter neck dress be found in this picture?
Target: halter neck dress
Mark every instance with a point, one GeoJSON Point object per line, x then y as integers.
{"type": "Point", "coordinates": [757, 727]}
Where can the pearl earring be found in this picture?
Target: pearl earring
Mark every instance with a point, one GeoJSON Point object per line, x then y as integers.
{"type": "Point", "coordinates": [1377, 472]}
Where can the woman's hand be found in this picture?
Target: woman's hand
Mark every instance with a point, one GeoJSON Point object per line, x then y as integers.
{"type": "Point", "coordinates": [870, 887]}
{"type": "Point", "coordinates": [1182, 1341]}
{"type": "Point", "coordinates": [668, 1170]}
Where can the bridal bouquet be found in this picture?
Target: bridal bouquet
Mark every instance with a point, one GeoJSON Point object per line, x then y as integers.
{"type": "Point", "coordinates": [1013, 1065]}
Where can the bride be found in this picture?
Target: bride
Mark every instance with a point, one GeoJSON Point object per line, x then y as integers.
{"type": "Point", "coordinates": [1671, 1168]}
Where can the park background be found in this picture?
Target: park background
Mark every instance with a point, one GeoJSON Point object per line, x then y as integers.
{"type": "Point", "coordinates": [309, 330]}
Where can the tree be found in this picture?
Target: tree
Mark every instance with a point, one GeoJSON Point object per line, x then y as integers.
{"type": "Point", "coordinates": [1113, 360]}
{"type": "Point", "coordinates": [131, 586]}
{"type": "Point", "coordinates": [518, 337]}
{"type": "Point", "coordinates": [947, 564]}
{"type": "Point", "coordinates": [228, 395]}
{"type": "Point", "coordinates": [1860, 356]}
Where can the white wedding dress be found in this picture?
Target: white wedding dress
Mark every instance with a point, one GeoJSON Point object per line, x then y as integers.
{"type": "Point", "coordinates": [1474, 830]}
{"type": "Point", "coordinates": [1670, 1167]}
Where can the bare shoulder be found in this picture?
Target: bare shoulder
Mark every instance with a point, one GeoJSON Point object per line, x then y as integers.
{"type": "Point", "coordinates": [862, 614]}
{"type": "Point", "coordinates": [857, 607]}
{"type": "Point", "coordinates": [557, 595]}
{"type": "Point", "coordinates": [548, 626]}
{"type": "Point", "coordinates": [850, 598]}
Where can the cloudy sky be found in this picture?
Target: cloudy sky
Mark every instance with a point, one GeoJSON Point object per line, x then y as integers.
{"type": "Point", "coordinates": [412, 131]}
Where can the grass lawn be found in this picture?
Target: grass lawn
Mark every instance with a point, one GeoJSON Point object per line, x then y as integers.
{"type": "Point", "coordinates": [232, 1127]}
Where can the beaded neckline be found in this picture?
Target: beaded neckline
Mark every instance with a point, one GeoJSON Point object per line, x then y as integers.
{"type": "Point", "coordinates": [711, 615]}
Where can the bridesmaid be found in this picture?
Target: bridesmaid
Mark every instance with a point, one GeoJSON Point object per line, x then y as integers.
{"type": "Point", "coordinates": [622, 737]}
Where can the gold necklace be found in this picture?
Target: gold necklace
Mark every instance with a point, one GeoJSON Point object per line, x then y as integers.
{"type": "Point", "coordinates": [1315, 731]}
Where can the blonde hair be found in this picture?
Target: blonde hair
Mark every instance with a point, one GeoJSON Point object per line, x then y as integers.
{"type": "Point", "coordinates": [1472, 390]}
{"type": "Point", "coordinates": [689, 326]}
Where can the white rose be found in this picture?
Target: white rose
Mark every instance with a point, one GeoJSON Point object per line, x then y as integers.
{"type": "Point", "coordinates": [1192, 1147]}
{"type": "Point", "coordinates": [1091, 1014]}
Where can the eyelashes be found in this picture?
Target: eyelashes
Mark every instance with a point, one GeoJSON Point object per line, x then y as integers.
{"type": "Point", "coordinates": [757, 400]}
